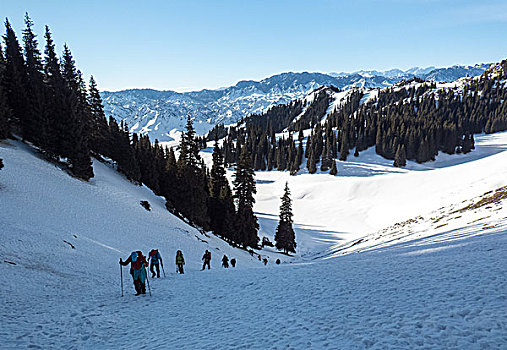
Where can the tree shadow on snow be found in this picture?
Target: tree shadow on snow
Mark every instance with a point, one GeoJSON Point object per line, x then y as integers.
{"type": "Point", "coordinates": [311, 239]}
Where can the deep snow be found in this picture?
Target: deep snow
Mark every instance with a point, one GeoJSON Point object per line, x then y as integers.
{"type": "Point", "coordinates": [436, 280]}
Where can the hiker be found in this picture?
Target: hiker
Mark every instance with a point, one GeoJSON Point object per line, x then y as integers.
{"type": "Point", "coordinates": [277, 261]}
{"type": "Point", "coordinates": [137, 263]}
{"type": "Point", "coordinates": [180, 261]}
{"type": "Point", "coordinates": [233, 262]}
{"type": "Point", "coordinates": [265, 261]}
{"type": "Point", "coordinates": [225, 262]}
{"type": "Point", "coordinates": [207, 259]}
{"type": "Point", "coordinates": [155, 258]}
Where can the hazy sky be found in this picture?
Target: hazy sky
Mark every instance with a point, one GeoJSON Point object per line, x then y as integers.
{"type": "Point", "coordinates": [190, 45]}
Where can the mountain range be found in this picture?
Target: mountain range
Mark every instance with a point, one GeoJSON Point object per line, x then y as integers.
{"type": "Point", "coordinates": [161, 113]}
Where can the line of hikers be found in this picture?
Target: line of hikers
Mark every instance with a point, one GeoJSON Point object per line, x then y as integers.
{"type": "Point", "coordinates": [138, 264]}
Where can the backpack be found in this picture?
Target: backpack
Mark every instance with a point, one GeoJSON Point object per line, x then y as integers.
{"type": "Point", "coordinates": [154, 255]}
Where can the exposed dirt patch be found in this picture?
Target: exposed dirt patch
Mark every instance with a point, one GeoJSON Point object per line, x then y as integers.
{"type": "Point", "coordinates": [488, 198]}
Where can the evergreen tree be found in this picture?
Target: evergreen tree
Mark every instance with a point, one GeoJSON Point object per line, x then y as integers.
{"type": "Point", "coordinates": [5, 111]}
{"type": "Point", "coordinates": [15, 80]}
{"type": "Point", "coordinates": [36, 122]}
{"type": "Point", "coordinates": [400, 159]}
{"type": "Point", "coordinates": [333, 170]}
{"type": "Point", "coordinates": [285, 237]}
{"type": "Point", "coordinates": [123, 152]}
{"type": "Point", "coordinates": [221, 205]}
{"type": "Point", "coordinates": [74, 137]}
{"type": "Point", "coordinates": [217, 174]}
{"type": "Point", "coordinates": [192, 198]}
{"type": "Point", "coordinates": [169, 180]}
{"type": "Point", "coordinates": [230, 222]}
{"type": "Point", "coordinates": [344, 151]}
{"type": "Point", "coordinates": [244, 188]}
{"type": "Point", "coordinates": [54, 97]}
{"type": "Point", "coordinates": [99, 137]}
{"type": "Point", "coordinates": [310, 164]}
{"type": "Point", "coordinates": [189, 149]}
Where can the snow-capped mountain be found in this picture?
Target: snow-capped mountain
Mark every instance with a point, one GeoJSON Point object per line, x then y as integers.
{"type": "Point", "coordinates": [157, 113]}
{"type": "Point", "coordinates": [447, 74]}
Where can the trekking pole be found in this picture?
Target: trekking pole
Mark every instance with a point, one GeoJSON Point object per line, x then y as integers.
{"type": "Point", "coordinates": [148, 280]}
{"type": "Point", "coordinates": [121, 277]}
{"type": "Point", "coordinates": [163, 269]}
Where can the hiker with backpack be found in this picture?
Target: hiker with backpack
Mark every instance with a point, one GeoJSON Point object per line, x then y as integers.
{"type": "Point", "coordinates": [137, 263]}
{"type": "Point", "coordinates": [180, 261]}
{"type": "Point", "coordinates": [225, 262]}
{"type": "Point", "coordinates": [233, 262]}
{"type": "Point", "coordinates": [156, 259]}
{"type": "Point", "coordinates": [207, 259]}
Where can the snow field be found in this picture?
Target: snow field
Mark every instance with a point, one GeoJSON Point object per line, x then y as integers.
{"type": "Point", "coordinates": [414, 285]}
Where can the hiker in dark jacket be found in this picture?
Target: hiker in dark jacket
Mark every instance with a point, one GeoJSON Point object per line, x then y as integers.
{"type": "Point", "coordinates": [225, 262]}
{"type": "Point", "coordinates": [180, 261]}
{"type": "Point", "coordinates": [207, 259]}
{"type": "Point", "coordinates": [233, 262]}
{"type": "Point", "coordinates": [137, 263]}
{"type": "Point", "coordinates": [155, 259]}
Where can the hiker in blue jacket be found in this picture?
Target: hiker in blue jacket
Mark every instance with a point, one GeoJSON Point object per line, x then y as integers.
{"type": "Point", "coordinates": [155, 259]}
{"type": "Point", "coordinates": [137, 263]}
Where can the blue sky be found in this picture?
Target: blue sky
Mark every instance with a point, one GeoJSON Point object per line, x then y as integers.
{"type": "Point", "coordinates": [190, 45]}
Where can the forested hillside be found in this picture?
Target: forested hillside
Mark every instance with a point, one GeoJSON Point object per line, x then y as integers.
{"type": "Point", "coordinates": [45, 101]}
{"type": "Point", "coordinates": [413, 120]}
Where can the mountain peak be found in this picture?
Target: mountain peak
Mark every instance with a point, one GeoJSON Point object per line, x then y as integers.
{"type": "Point", "coordinates": [157, 113]}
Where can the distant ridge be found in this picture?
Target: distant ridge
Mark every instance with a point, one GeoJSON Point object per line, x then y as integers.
{"type": "Point", "coordinates": [156, 113]}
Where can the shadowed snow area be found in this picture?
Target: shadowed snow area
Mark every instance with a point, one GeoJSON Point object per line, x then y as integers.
{"type": "Point", "coordinates": [387, 258]}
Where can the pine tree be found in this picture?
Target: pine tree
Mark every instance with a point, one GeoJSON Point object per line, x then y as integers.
{"type": "Point", "coordinates": [310, 164]}
{"type": "Point", "coordinates": [99, 137]}
{"type": "Point", "coordinates": [189, 149]}
{"type": "Point", "coordinates": [123, 152]}
{"type": "Point", "coordinates": [333, 170]}
{"type": "Point", "coordinates": [192, 198]}
{"type": "Point", "coordinates": [5, 111]}
{"type": "Point", "coordinates": [285, 237]}
{"type": "Point", "coordinates": [74, 137]}
{"type": "Point", "coordinates": [400, 159]}
{"type": "Point", "coordinates": [230, 222]}
{"type": "Point", "coordinates": [169, 180]}
{"type": "Point", "coordinates": [15, 80]}
{"type": "Point", "coordinates": [244, 188]}
{"type": "Point", "coordinates": [35, 124]}
{"type": "Point", "coordinates": [217, 174]}
{"type": "Point", "coordinates": [344, 151]}
{"type": "Point", "coordinates": [54, 97]}
{"type": "Point", "coordinates": [220, 205]}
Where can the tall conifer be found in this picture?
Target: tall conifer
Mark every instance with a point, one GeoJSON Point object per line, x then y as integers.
{"type": "Point", "coordinates": [15, 80]}
{"type": "Point", "coordinates": [285, 237]}
{"type": "Point", "coordinates": [5, 111]}
{"type": "Point", "coordinates": [192, 199]}
{"type": "Point", "coordinates": [36, 123]}
{"type": "Point", "coordinates": [244, 188]}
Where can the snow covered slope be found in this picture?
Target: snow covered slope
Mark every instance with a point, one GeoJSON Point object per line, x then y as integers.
{"type": "Point", "coordinates": [430, 272]}
{"type": "Point", "coordinates": [369, 193]}
{"type": "Point", "coordinates": [157, 113]}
